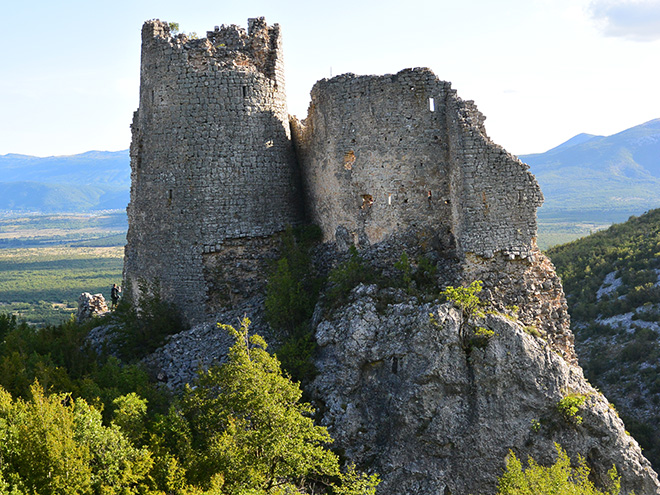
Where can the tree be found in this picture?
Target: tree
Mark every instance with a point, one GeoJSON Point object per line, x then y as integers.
{"type": "Point", "coordinates": [255, 433]}
{"type": "Point", "coordinates": [55, 445]}
{"type": "Point", "coordinates": [466, 299]}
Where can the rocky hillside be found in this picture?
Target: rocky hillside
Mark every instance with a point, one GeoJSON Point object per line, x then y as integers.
{"type": "Point", "coordinates": [404, 397]}
{"type": "Point", "coordinates": [433, 400]}
{"type": "Point", "coordinates": [612, 284]}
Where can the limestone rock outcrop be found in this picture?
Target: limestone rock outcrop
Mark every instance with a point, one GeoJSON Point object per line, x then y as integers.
{"type": "Point", "coordinates": [90, 306]}
{"type": "Point", "coordinates": [402, 397]}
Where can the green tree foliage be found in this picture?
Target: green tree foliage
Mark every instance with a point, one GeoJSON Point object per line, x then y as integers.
{"type": "Point", "coordinates": [558, 479]}
{"type": "Point", "coordinates": [347, 275]}
{"type": "Point", "coordinates": [293, 286]}
{"type": "Point", "coordinates": [621, 360]}
{"type": "Point", "coordinates": [143, 325]}
{"type": "Point", "coordinates": [291, 295]}
{"type": "Point", "coordinates": [418, 278]}
{"type": "Point", "coordinates": [55, 445]}
{"type": "Point", "coordinates": [255, 433]}
{"type": "Point", "coordinates": [569, 407]}
{"type": "Point", "coordinates": [632, 249]}
{"type": "Point", "coordinates": [471, 306]}
{"type": "Point", "coordinates": [240, 429]}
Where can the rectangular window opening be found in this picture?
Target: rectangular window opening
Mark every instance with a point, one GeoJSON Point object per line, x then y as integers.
{"type": "Point", "coordinates": [432, 104]}
{"type": "Point", "coordinates": [244, 91]}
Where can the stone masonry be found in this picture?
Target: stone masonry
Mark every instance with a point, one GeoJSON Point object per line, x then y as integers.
{"type": "Point", "coordinates": [219, 169]}
{"type": "Point", "coordinates": [381, 155]}
{"type": "Point", "coordinates": [211, 156]}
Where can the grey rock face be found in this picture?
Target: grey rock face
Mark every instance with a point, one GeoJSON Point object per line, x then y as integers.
{"type": "Point", "coordinates": [177, 362]}
{"type": "Point", "coordinates": [402, 397]}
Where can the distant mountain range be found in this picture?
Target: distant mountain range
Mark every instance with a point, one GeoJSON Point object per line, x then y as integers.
{"type": "Point", "coordinates": [586, 179]}
{"type": "Point", "coordinates": [96, 180]}
{"type": "Point", "coordinates": [600, 178]}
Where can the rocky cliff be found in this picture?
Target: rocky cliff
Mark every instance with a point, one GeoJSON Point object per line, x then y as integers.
{"type": "Point", "coordinates": [404, 398]}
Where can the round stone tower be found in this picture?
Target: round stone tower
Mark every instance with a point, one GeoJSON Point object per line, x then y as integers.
{"type": "Point", "coordinates": [211, 162]}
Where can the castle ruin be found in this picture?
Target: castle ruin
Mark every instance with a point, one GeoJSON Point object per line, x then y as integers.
{"type": "Point", "coordinates": [219, 170]}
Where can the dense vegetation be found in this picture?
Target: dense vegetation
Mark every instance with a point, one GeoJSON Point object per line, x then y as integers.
{"type": "Point", "coordinates": [73, 422]}
{"type": "Point", "coordinates": [631, 249]}
{"type": "Point", "coordinates": [561, 478]}
{"type": "Point", "coordinates": [611, 284]}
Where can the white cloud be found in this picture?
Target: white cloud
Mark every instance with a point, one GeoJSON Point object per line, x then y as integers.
{"type": "Point", "coordinates": [637, 20]}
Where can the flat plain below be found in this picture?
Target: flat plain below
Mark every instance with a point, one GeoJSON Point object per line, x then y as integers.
{"type": "Point", "coordinates": [42, 285]}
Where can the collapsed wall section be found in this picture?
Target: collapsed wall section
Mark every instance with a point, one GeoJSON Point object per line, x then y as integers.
{"type": "Point", "coordinates": [211, 155]}
{"type": "Point", "coordinates": [375, 156]}
{"type": "Point", "coordinates": [386, 155]}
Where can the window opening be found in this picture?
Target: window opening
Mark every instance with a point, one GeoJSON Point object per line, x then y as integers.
{"type": "Point", "coordinates": [244, 91]}
{"type": "Point", "coordinates": [432, 104]}
{"type": "Point", "coordinates": [389, 199]}
{"type": "Point", "coordinates": [367, 201]}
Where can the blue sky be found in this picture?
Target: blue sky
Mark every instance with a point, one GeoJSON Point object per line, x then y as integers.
{"type": "Point", "coordinates": [540, 70]}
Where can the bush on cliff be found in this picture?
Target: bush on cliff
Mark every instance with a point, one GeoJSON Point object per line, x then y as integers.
{"type": "Point", "coordinates": [291, 294]}
{"type": "Point", "coordinates": [143, 325]}
{"type": "Point", "coordinates": [558, 479]}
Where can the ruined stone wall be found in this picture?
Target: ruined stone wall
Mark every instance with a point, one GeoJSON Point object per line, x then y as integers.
{"type": "Point", "coordinates": [383, 154]}
{"type": "Point", "coordinates": [375, 155]}
{"type": "Point", "coordinates": [211, 155]}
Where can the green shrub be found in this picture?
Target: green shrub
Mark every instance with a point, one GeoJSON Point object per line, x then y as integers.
{"type": "Point", "coordinates": [293, 286]}
{"type": "Point", "coordinates": [54, 444]}
{"type": "Point", "coordinates": [569, 406]}
{"type": "Point", "coordinates": [143, 325]}
{"type": "Point", "coordinates": [252, 429]}
{"type": "Point", "coordinates": [480, 337]}
{"type": "Point", "coordinates": [560, 478]}
{"type": "Point", "coordinates": [347, 275]}
{"type": "Point", "coordinates": [466, 299]}
{"type": "Point", "coordinates": [419, 278]}
{"type": "Point", "coordinates": [291, 295]}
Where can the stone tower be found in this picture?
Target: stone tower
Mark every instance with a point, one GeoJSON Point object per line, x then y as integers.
{"type": "Point", "coordinates": [213, 171]}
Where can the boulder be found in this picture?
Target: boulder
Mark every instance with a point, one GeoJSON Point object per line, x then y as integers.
{"type": "Point", "coordinates": [90, 306]}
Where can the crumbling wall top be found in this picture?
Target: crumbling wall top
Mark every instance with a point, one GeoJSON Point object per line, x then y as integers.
{"type": "Point", "coordinates": [227, 46]}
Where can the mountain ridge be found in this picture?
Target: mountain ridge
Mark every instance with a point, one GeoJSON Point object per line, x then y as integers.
{"type": "Point", "coordinates": [607, 178]}
{"type": "Point", "coordinates": [89, 181]}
